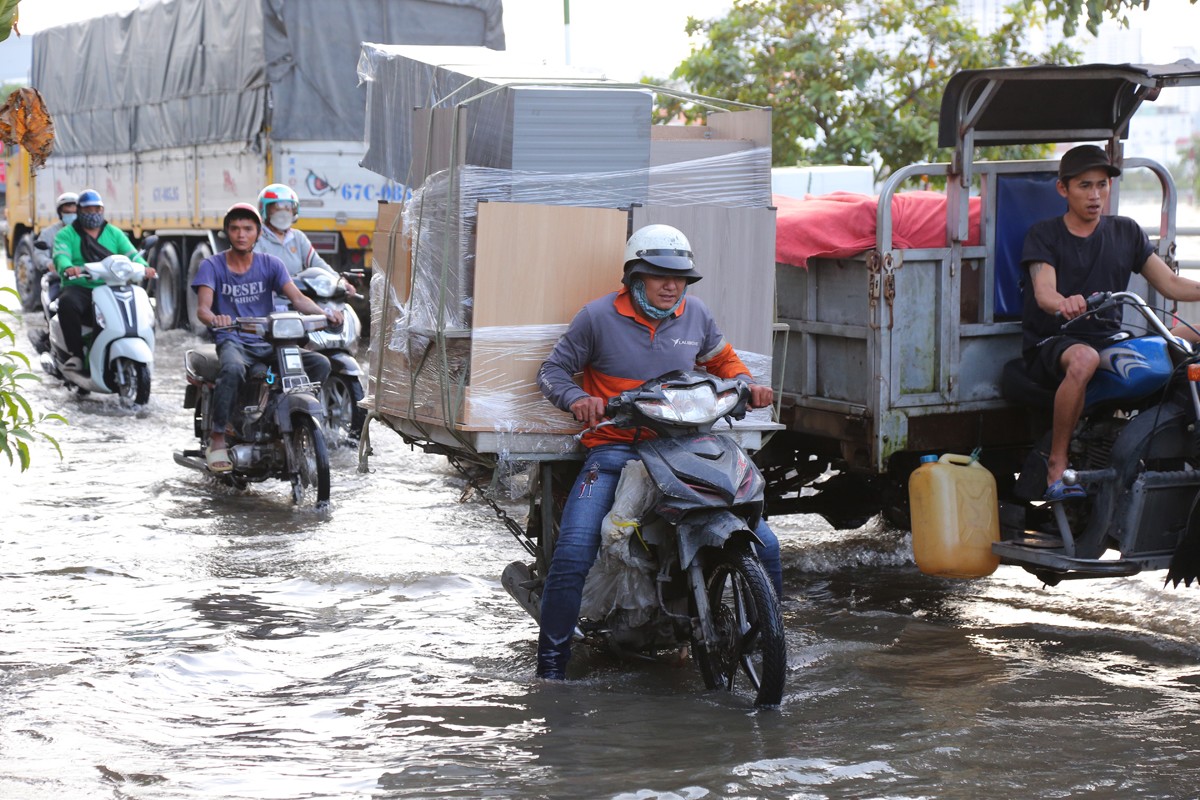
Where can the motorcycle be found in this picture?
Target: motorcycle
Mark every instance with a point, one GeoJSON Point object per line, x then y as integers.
{"type": "Point", "coordinates": [119, 348]}
{"type": "Point", "coordinates": [341, 394]}
{"type": "Point", "coordinates": [276, 424]}
{"type": "Point", "coordinates": [1136, 451]}
{"type": "Point", "coordinates": [682, 574]}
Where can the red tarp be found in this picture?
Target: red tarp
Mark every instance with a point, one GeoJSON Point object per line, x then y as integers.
{"type": "Point", "coordinates": [842, 224]}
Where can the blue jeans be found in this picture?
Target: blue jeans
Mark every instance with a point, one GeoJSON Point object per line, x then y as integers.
{"type": "Point", "coordinates": [578, 542]}
{"type": "Point", "coordinates": [235, 357]}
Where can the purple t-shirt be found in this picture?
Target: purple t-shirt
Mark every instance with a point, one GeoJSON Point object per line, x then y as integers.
{"type": "Point", "coordinates": [246, 295]}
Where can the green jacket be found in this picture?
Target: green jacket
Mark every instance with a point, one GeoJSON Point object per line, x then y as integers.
{"type": "Point", "coordinates": [68, 253]}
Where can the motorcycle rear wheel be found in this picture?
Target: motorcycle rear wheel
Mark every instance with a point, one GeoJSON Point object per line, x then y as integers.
{"type": "Point", "coordinates": [749, 625]}
{"type": "Point", "coordinates": [311, 470]}
{"type": "Point", "coordinates": [133, 382]}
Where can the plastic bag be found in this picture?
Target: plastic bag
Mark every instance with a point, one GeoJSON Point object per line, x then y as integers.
{"type": "Point", "coordinates": [623, 575]}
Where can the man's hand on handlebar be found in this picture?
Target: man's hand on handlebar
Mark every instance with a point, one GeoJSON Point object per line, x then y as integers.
{"type": "Point", "coordinates": [73, 272]}
{"type": "Point", "coordinates": [1071, 307]}
{"type": "Point", "coordinates": [221, 321]}
{"type": "Point", "coordinates": [335, 317]}
{"type": "Point", "coordinates": [761, 396]}
{"type": "Point", "coordinates": [588, 410]}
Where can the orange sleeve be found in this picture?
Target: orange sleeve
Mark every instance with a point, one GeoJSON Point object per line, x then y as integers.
{"type": "Point", "coordinates": [726, 364]}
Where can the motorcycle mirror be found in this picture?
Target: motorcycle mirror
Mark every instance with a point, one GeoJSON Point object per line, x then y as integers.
{"type": "Point", "coordinates": [149, 241]}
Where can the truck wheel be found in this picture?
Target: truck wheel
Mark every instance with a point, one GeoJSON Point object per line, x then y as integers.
{"type": "Point", "coordinates": [27, 276]}
{"type": "Point", "coordinates": [168, 292]}
{"type": "Point", "coordinates": [193, 322]}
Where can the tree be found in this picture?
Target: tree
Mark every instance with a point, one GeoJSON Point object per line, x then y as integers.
{"type": "Point", "coordinates": [849, 82]}
{"type": "Point", "coordinates": [18, 423]}
{"type": "Point", "coordinates": [8, 18]}
{"type": "Point", "coordinates": [1071, 11]}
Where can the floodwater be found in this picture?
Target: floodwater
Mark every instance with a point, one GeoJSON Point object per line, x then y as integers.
{"type": "Point", "coordinates": [164, 637]}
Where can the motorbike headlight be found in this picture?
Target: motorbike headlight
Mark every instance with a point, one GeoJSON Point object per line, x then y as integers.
{"type": "Point", "coordinates": [694, 405]}
{"type": "Point", "coordinates": [323, 283]}
{"type": "Point", "coordinates": [122, 270]}
{"type": "Point", "coordinates": [287, 328]}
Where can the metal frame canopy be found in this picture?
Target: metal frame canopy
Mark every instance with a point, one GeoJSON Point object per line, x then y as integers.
{"type": "Point", "coordinates": [1050, 104]}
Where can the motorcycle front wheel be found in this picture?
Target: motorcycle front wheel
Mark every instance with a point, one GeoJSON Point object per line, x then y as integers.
{"type": "Point", "coordinates": [311, 470]}
{"type": "Point", "coordinates": [133, 382]}
{"type": "Point", "coordinates": [749, 626]}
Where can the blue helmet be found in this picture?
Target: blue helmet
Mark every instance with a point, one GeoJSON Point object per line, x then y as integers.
{"type": "Point", "coordinates": [90, 197]}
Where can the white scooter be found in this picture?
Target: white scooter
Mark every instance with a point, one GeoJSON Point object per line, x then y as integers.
{"type": "Point", "coordinates": [343, 390]}
{"type": "Point", "coordinates": [119, 348]}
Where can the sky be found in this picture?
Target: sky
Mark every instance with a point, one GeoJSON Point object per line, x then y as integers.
{"type": "Point", "coordinates": [624, 39]}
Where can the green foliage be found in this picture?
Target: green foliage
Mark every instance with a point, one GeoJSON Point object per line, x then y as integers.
{"type": "Point", "coordinates": [18, 423]}
{"type": "Point", "coordinates": [1070, 12]}
{"type": "Point", "coordinates": [8, 17]}
{"type": "Point", "coordinates": [849, 82]}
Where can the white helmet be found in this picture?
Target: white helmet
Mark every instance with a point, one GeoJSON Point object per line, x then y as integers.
{"type": "Point", "coordinates": [66, 198]}
{"type": "Point", "coordinates": [659, 250]}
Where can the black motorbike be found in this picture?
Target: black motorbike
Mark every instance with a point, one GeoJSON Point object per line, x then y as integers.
{"type": "Point", "coordinates": [1136, 452]}
{"type": "Point", "coordinates": [692, 553]}
{"type": "Point", "coordinates": [276, 429]}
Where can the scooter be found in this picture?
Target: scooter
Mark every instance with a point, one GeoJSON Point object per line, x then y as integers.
{"type": "Point", "coordinates": [1136, 452]}
{"type": "Point", "coordinates": [342, 392]}
{"type": "Point", "coordinates": [277, 431]}
{"type": "Point", "coordinates": [679, 573]}
{"type": "Point", "coordinates": [119, 348]}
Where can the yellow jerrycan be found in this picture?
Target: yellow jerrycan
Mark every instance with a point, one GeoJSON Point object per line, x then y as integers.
{"type": "Point", "coordinates": [955, 517]}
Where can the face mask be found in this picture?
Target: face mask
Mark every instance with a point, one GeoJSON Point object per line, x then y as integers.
{"type": "Point", "coordinates": [638, 287]}
{"type": "Point", "coordinates": [91, 221]}
{"type": "Point", "coordinates": [68, 219]}
{"type": "Point", "coordinates": [280, 220]}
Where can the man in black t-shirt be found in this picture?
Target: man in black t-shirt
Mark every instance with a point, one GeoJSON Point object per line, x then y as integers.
{"type": "Point", "coordinates": [1066, 259]}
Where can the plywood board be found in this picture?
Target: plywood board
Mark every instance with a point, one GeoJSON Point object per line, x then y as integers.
{"type": "Point", "coordinates": [734, 250]}
{"type": "Point", "coordinates": [535, 267]}
{"type": "Point", "coordinates": [539, 264]}
{"type": "Point", "coordinates": [389, 249]}
{"type": "Point", "coordinates": [753, 124]}
{"type": "Point", "coordinates": [432, 138]}
{"type": "Point", "coordinates": [678, 132]}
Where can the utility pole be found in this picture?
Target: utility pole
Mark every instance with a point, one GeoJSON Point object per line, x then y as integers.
{"type": "Point", "coordinates": [567, 30]}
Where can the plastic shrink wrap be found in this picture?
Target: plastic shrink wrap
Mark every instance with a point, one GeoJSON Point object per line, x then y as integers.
{"type": "Point", "coordinates": [524, 189]}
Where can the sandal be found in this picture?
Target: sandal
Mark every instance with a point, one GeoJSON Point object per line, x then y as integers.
{"type": "Point", "coordinates": [1061, 491]}
{"type": "Point", "coordinates": [218, 460]}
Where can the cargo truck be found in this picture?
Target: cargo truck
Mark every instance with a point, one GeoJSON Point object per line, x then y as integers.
{"type": "Point", "coordinates": [177, 110]}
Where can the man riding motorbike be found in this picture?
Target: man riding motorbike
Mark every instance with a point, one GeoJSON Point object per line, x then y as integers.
{"type": "Point", "coordinates": [67, 209]}
{"type": "Point", "coordinates": [618, 342]}
{"type": "Point", "coordinates": [87, 239]}
{"type": "Point", "coordinates": [279, 207]}
{"type": "Point", "coordinates": [240, 282]}
{"type": "Point", "coordinates": [1068, 258]}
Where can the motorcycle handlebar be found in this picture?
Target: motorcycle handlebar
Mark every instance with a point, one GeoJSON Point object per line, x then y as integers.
{"type": "Point", "coordinates": [1095, 302]}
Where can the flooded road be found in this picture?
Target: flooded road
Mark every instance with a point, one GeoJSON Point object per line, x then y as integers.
{"type": "Point", "coordinates": [164, 637]}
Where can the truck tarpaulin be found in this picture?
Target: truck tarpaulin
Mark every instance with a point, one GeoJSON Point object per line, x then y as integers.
{"type": "Point", "coordinates": [191, 72]}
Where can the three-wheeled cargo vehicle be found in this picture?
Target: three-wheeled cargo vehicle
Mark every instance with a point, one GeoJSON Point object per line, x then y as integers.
{"type": "Point", "coordinates": [899, 351]}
